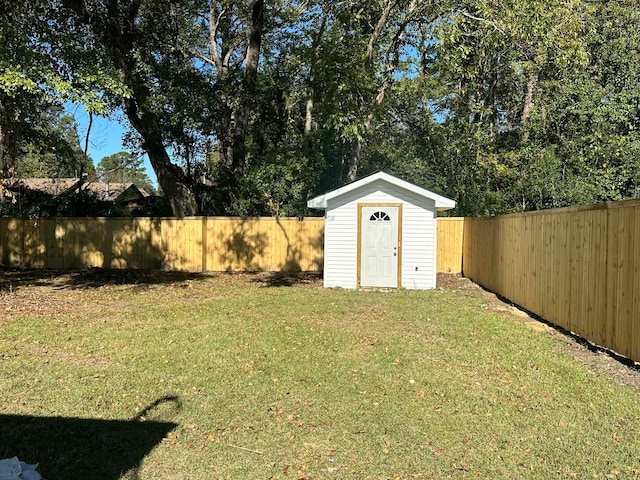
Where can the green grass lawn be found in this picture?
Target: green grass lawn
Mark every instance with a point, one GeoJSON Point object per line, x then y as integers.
{"type": "Point", "coordinates": [226, 377]}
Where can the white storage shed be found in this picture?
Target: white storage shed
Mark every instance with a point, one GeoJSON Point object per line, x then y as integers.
{"type": "Point", "coordinates": [380, 231]}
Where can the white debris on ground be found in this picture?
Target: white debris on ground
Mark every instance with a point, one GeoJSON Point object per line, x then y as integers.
{"type": "Point", "coordinates": [14, 469]}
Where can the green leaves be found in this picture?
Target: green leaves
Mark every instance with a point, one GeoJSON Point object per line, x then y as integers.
{"type": "Point", "coordinates": [13, 81]}
{"type": "Point", "coordinates": [503, 105]}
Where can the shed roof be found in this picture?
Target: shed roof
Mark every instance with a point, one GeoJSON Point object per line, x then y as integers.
{"type": "Point", "coordinates": [320, 202]}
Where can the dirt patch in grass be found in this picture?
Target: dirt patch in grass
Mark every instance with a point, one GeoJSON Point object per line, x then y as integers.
{"type": "Point", "coordinates": [455, 281]}
{"type": "Point", "coordinates": [52, 293]}
{"type": "Point", "coordinates": [35, 301]}
{"type": "Point", "coordinates": [15, 279]}
{"type": "Point", "coordinates": [597, 359]}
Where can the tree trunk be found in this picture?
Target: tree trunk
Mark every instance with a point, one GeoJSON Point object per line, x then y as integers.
{"type": "Point", "coordinates": [9, 134]}
{"type": "Point", "coordinates": [171, 178]}
{"type": "Point", "coordinates": [232, 131]}
{"type": "Point", "coordinates": [308, 114]}
{"type": "Point", "coordinates": [4, 165]}
{"type": "Point", "coordinates": [249, 83]}
{"type": "Point", "coordinates": [119, 36]}
{"type": "Point", "coordinates": [391, 60]}
{"type": "Point", "coordinates": [311, 91]}
{"type": "Point", "coordinates": [384, 18]}
{"type": "Point", "coordinates": [532, 83]}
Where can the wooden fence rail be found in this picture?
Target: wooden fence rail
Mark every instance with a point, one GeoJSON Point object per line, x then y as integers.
{"type": "Point", "coordinates": [193, 244]}
{"type": "Point", "coordinates": [578, 267]}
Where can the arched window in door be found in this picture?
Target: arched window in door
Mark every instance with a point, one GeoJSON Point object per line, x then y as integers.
{"type": "Point", "coordinates": [379, 217]}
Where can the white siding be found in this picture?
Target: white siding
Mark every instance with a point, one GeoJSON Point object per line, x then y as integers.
{"type": "Point", "coordinates": [340, 247]}
{"type": "Point", "coordinates": [418, 236]}
{"type": "Point", "coordinates": [418, 248]}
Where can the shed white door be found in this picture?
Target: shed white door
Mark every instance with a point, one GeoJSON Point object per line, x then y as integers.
{"type": "Point", "coordinates": [379, 248]}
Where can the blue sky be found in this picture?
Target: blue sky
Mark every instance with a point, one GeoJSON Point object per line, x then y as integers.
{"type": "Point", "coordinates": [105, 137]}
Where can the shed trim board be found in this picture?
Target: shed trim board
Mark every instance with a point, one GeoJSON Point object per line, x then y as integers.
{"type": "Point", "coordinates": [399, 223]}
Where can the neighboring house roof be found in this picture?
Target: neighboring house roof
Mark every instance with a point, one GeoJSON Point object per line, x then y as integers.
{"type": "Point", "coordinates": [320, 202]}
{"type": "Point", "coordinates": [52, 186]}
{"type": "Point", "coordinates": [117, 192]}
{"type": "Point", "coordinates": [104, 191]}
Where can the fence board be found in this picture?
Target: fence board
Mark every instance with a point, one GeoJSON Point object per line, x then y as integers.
{"type": "Point", "coordinates": [612, 277]}
{"type": "Point", "coordinates": [14, 245]}
{"type": "Point", "coordinates": [4, 238]}
{"type": "Point", "coordinates": [635, 329]}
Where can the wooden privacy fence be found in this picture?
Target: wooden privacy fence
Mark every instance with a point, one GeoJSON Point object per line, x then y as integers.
{"type": "Point", "coordinates": [193, 244]}
{"type": "Point", "coordinates": [577, 267]}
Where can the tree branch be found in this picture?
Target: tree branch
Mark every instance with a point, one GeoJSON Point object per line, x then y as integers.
{"type": "Point", "coordinates": [227, 58]}
{"type": "Point", "coordinates": [483, 20]}
{"type": "Point", "coordinates": [204, 58]}
{"type": "Point", "coordinates": [384, 18]}
{"type": "Point", "coordinates": [214, 21]}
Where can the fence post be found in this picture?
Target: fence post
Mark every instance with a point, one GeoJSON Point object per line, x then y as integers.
{"type": "Point", "coordinates": [204, 244]}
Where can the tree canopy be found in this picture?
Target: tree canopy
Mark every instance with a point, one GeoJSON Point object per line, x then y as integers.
{"type": "Point", "coordinates": [250, 108]}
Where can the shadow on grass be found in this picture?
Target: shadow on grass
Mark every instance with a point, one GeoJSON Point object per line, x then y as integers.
{"type": "Point", "coordinates": [80, 449]}
{"type": "Point", "coordinates": [290, 279]}
{"type": "Point", "coordinates": [12, 279]}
